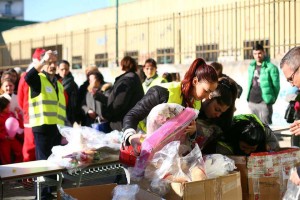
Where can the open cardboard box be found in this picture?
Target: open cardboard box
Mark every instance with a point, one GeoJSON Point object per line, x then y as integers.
{"type": "Point", "coordinates": [226, 187]}
{"type": "Point", "coordinates": [103, 192]}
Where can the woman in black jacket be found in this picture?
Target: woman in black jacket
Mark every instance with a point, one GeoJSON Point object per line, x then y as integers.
{"type": "Point", "coordinates": [125, 93]}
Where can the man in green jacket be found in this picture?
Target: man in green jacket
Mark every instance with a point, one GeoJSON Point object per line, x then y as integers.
{"type": "Point", "coordinates": [263, 85]}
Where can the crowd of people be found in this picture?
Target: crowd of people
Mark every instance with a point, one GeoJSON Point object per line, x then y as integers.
{"type": "Point", "coordinates": [47, 95]}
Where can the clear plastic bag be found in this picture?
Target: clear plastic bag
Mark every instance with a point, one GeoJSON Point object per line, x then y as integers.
{"type": "Point", "coordinates": [160, 114]}
{"type": "Point", "coordinates": [174, 163]}
{"type": "Point", "coordinates": [85, 145]}
{"type": "Point", "coordinates": [218, 165]}
{"type": "Point", "coordinates": [293, 190]}
{"type": "Point", "coordinates": [125, 192]}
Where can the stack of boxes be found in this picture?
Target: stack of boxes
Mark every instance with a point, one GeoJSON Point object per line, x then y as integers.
{"type": "Point", "coordinates": [265, 175]}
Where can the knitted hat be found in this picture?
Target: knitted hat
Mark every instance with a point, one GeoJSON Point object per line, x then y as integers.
{"type": "Point", "coordinates": [37, 53]}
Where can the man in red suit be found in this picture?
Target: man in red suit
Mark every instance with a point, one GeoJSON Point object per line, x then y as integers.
{"type": "Point", "coordinates": [28, 146]}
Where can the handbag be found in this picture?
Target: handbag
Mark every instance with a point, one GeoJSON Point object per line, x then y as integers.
{"type": "Point", "coordinates": [290, 112]}
{"type": "Point", "coordinates": [126, 155]}
{"type": "Point", "coordinates": [101, 126]}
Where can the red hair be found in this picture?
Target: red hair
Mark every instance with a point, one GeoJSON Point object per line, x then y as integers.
{"type": "Point", "coordinates": [203, 72]}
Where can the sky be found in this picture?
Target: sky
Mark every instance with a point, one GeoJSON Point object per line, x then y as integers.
{"type": "Point", "coordinates": [46, 10]}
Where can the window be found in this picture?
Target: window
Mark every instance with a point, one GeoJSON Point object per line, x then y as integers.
{"type": "Point", "coordinates": [248, 45]}
{"type": "Point", "coordinates": [165, 56]}
{"type": "Point", "coordinates": [209, 52]}
{"type": "Point", "coordinates": [8, 9]}
{"type": "Point", "coordinates": [133, 54]}
{"type": "Point", "coordinates": [101, 60]}
{"type": "Point", "coordinates": [77, 62]}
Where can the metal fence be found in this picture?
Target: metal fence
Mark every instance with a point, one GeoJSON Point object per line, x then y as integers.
{"type": "Point", "coordinates": [224, 32]}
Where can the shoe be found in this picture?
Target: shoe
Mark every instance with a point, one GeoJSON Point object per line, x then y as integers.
{"type": "Point", "coordinates": [47, 196]}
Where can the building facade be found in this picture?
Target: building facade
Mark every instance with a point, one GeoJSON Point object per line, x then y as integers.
{"type": "Point", "coordinates": [172, 32]}
{"type": "Point", "coordinates": [12, 9]}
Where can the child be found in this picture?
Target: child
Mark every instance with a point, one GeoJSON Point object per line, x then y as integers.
{"type": "Point", "coordinates": [247, 135]}
{"type": "Point", "coordinates": [7, 87]}
{"type": "Point", "coordinates": [8, 144]}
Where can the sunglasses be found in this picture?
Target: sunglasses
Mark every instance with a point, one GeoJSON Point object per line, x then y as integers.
{"type": "Point", "coordinates": [291, 78]}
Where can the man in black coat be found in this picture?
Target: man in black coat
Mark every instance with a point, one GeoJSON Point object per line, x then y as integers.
{"type": "Point", "coordinates": [71, 89]}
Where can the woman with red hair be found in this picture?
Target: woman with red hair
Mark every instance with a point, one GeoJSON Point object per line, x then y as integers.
{"type": "Point", "coordinates": [199, 81]}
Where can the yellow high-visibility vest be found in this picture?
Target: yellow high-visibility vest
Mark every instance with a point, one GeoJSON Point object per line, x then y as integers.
{"type": "Point", "coordinates": [47, 107]}
{"type": "Point", "coordinates": [156, 81]}
{"type": "Point", "coordinates": [175, 96]}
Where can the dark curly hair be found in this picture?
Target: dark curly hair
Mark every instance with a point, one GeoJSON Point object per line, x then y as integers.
{"type": "Point", "coordinates": [3, 103]}
{"type": "Point", "coordinates": [249, 129]}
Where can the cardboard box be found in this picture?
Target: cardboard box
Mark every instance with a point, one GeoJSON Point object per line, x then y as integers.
{"type": "Point", "coordinates": [104, 192]}
{"type": "Point", "coordinates": [222, 188]}
{"type": "Point", "coordinates": [241, 165]}
{"type": "Point", "coordinates": [265, 176]}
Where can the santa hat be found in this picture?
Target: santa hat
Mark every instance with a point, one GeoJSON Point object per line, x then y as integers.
{"type": "Point", "coordinates": [37, 53]}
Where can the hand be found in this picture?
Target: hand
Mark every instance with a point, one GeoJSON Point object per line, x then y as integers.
{"type": "Point", "coordinates": [295, 127]}
{"type": "Point", "coordinates": [135, 141]}
{"type": "Point", "coordinates": [191, 129]}
{"type": "Point", "coordinates": [47, 56]}
{"type": "Point", "coordinates": [94, 91]}
{"type": "Point", "coordinates": [268, 148]}
{"type": "Point", "coordinates": [92, 114]}
{"type": "Point", "coordinates": [18, 112]}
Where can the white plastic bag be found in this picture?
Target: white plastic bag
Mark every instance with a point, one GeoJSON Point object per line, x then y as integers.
{"type": "Point", "coordinates": [218, 165]}
{"type": "Point", "coordinates": [293, 191]}
{"type": "Point", "coordinates": [125, 192]}
{"type": "Point", "coordinates": [85, 145]}
{"type": "Point", "coordinates": [173, 163]}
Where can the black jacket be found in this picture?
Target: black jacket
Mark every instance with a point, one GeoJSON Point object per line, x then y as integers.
{"type": "Point", "coordinates": [155, 95]}
{"type": "Point", "coordinates": [126, 92]}
{"type": "Point", "coordinates": [72, 90]}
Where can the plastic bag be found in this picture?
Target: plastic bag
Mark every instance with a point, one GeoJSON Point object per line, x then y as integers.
{"type": "Point", "coordinates": [171, 130]}
{"type": "Point", "coordinates": [293, 191]}
{"type": "Point", "coordinates": [85, 145]}
{"type": "Point", "coordinates": [160, 114]}
{"type": "Point", "coordinates": [125, 192]}
{"type": "Point", "coordinates": [218, 165]}
{"type": "Point", "coordinates": [174, 163]}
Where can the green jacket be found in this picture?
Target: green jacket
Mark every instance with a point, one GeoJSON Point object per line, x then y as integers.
{"type": "Point", "coordinates": [269, 80]}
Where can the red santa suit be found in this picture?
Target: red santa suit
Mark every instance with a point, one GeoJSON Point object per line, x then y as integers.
{"type": "Point", "coordinates": [28, 145]}
{"type": "Point", "coordinates": [7, 146]}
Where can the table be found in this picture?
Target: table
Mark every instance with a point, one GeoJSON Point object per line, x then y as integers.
{"type": "Point", "coordinates": [107, 167]}
{"type": "Point", "coordinates": [32, 169]}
